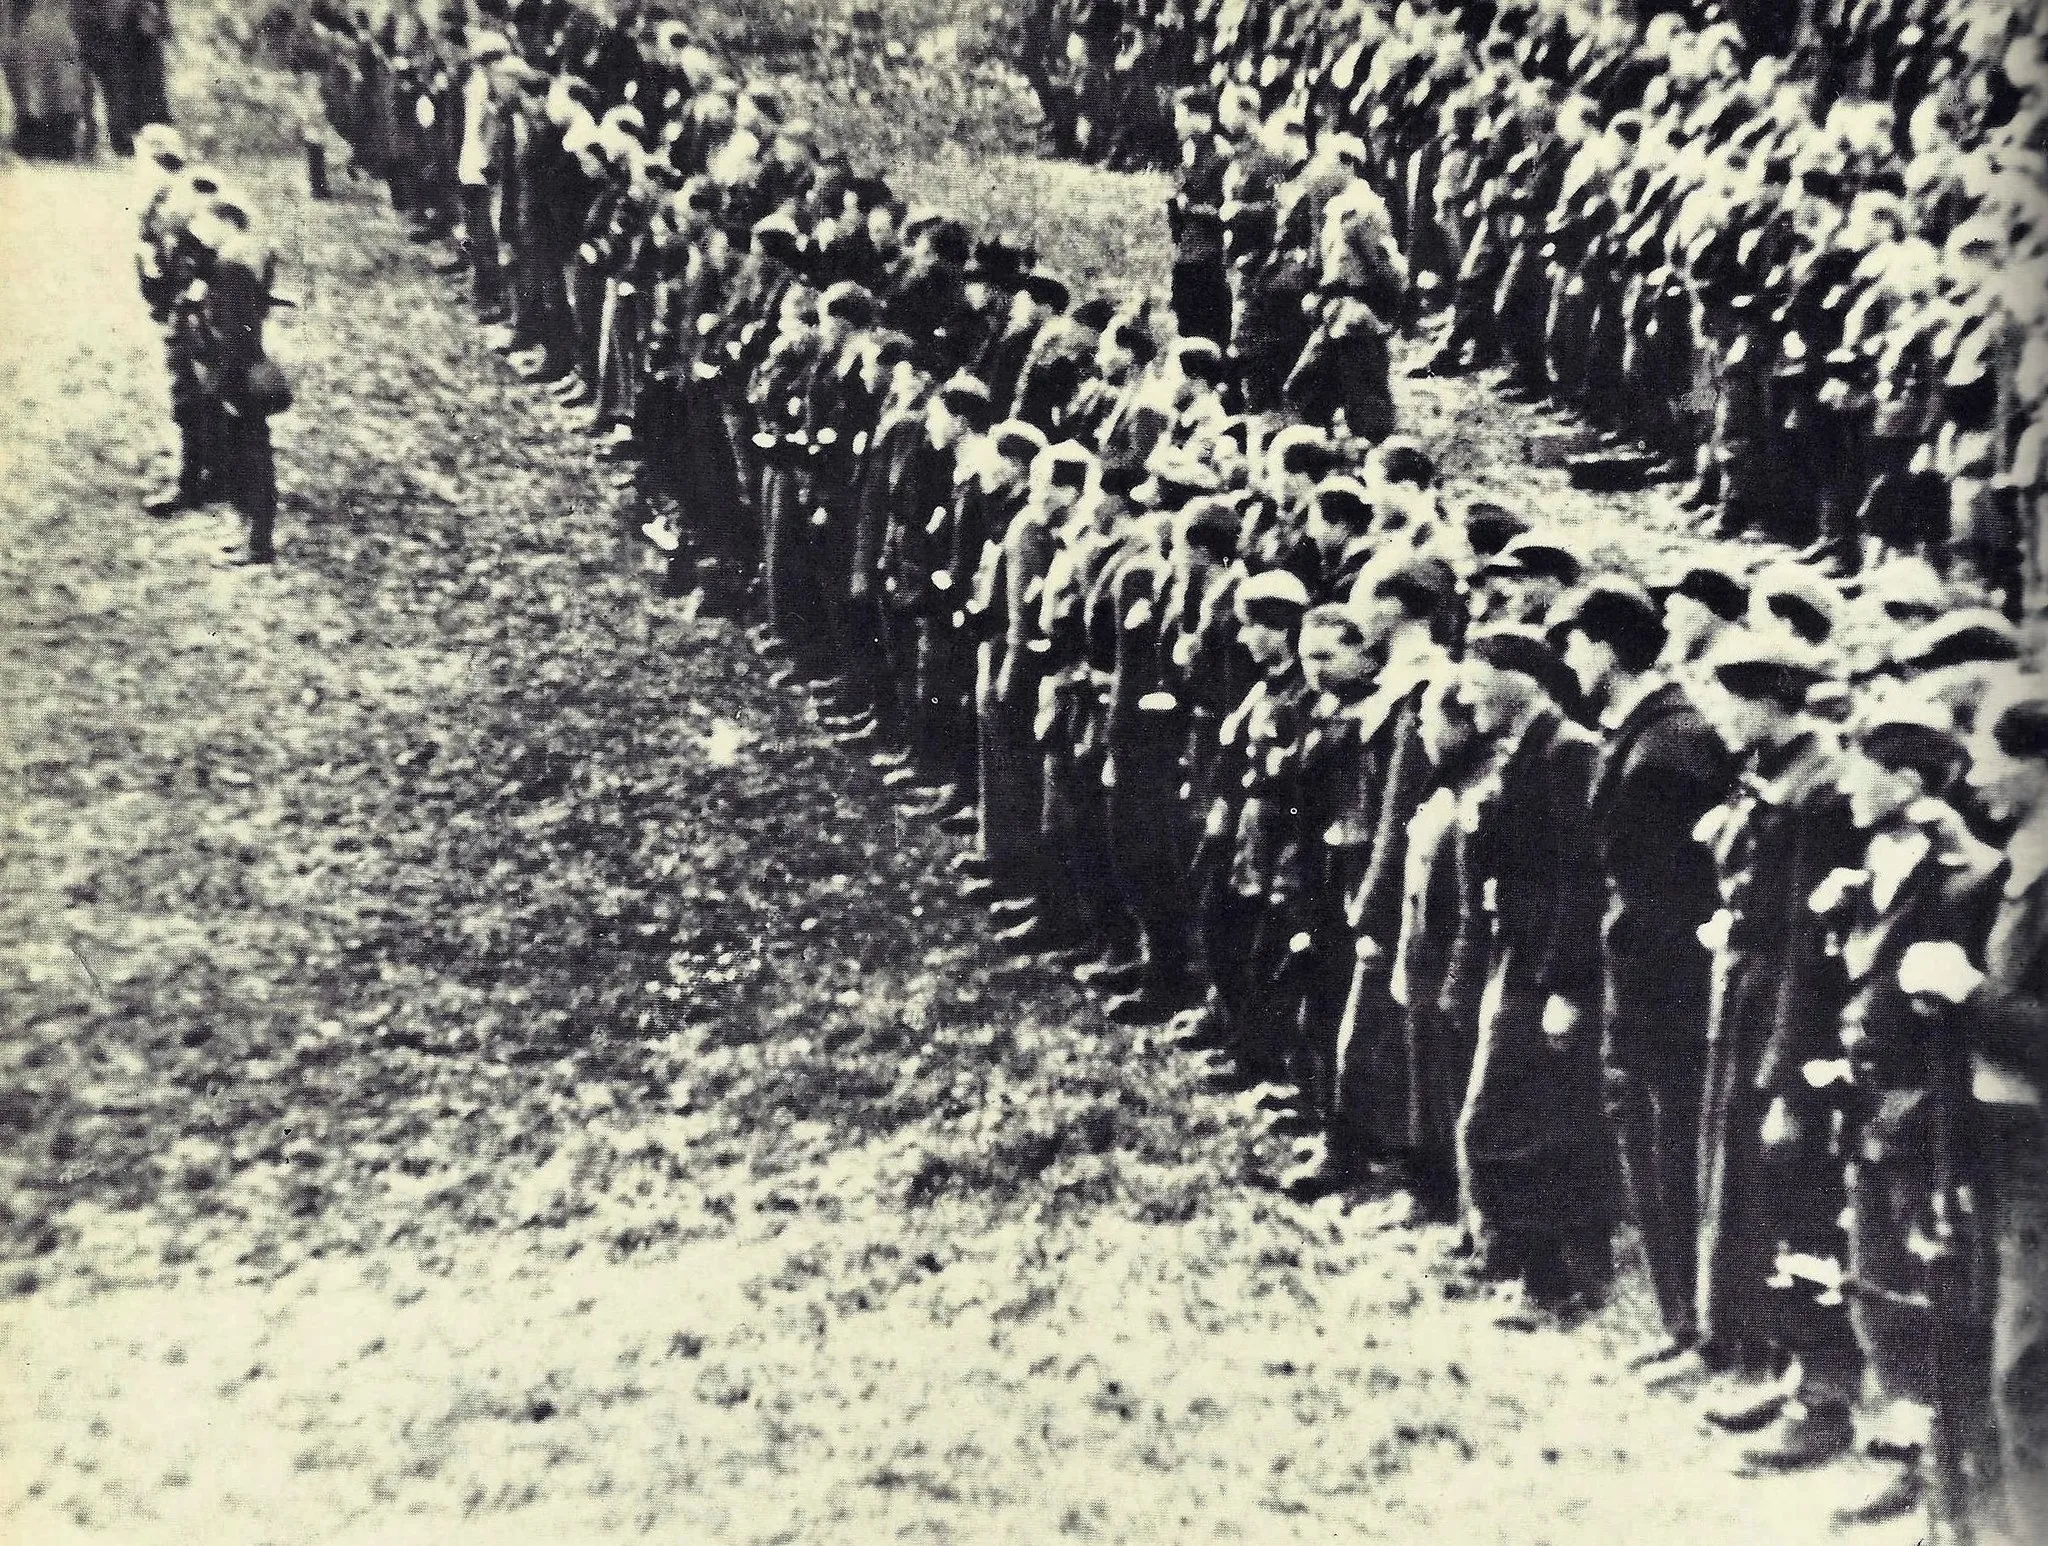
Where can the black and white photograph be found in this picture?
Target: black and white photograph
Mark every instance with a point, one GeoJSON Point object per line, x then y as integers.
{"type": "Point", "coordinates": [998, 772]}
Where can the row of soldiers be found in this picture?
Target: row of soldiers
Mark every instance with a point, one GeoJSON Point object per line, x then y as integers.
{"type": "Point", "coordinates": [1711, 899]}
{"type": "Point", "coordinates": [1821, 294]}
{"type": "Point", "coordinates": [206, 272]}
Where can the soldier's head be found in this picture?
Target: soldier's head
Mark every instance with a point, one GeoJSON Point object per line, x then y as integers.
{"type": "Point", "coordinates": [1062, 475]}
{"type": "Point", "coordinates": [1408, 603]}
{"type": "Point", "coordinates": [2008, 769]}
{"type": "Point", "coordinates": [1270, 605]}
{"type": "Point", "coordinates": [1336, 657]}
{"type": "Point", "coordinates": [1700, 603]}
{"type": "Point", "coordinates": [1610, 632]}
{"type": "Point", "coordinates": [1790, 598]}
{"type": "Point", "coordinates": [1340, 513]}
{"type": "Point", "coordinates": [1524, 579]}
{"type": "Point", "coordinates": [1764, 680]}
{"type": "Point", "coordinates": [1903, 746]}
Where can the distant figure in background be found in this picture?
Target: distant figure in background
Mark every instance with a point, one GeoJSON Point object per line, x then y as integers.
{"type": "Point", "coordinates": [121, 43]}
{"type": "Point", "coordinates": [46, 78]}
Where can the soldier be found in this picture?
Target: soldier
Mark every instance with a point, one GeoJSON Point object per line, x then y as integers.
{"type": "Point", "coordinates": [1535, 1165]}
{"type": "Point", "coordinates": [1660, 770]}
{"type": "Point", "coordinates": [1769, 1183]}
{"type": "Point", "coordinates": [1923, 877]}
{"type": "Point", "coordinates": [243, 387]}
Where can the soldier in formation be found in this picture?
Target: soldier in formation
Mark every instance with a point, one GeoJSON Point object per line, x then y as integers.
{"type": "Point", "coordinates": [1555, 894]}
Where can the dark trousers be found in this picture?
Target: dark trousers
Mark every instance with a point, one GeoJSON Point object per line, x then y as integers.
{"type": "Point", "coordinates": [481, 247]}
{"type": "Point", "coordinates": [1654, 1105]}
{"type": "Point", "coordinates": [248, 474]}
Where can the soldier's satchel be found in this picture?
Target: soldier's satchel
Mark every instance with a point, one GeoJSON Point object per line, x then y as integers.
{"type": "Point", "coordinates": [266, 391]}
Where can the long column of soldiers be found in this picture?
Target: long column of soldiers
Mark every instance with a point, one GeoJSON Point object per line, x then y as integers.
{"type": "Point", "coordinates": [1710, 899]}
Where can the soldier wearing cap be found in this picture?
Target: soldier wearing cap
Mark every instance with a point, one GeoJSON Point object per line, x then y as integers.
{"type": "Point", "coordinates": [1535, 1165]}
{"type": "Point", "coordinates": [1900, 1086]}
{"type": "Point", "coordinates": [242, 386]}
{"type": "Point", "coordinates": [1770, 1187]}
{"type": "Point", "coordinates": [1660, 770]}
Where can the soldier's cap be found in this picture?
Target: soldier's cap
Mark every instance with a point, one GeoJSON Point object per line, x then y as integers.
{"type": "Point", "coordinates": [1400, 459]}
{"type": "Point", "coordinates": [1197, 352]}
{"type": "Point", "coordinates": [1344, 501]}
{"type": "Point", "coordinates": [1800, 599]}
{"type": "Point", "coordinates": [1757, 665]}
{"type": "Point", "coordinates": [1536, 556]}
{"type": "Point", "coordinates": [1522, 649]}
{"type": "Point", "coordinates": [1274, 596]}
{"type": "Point", "coordinates": [1721, 590]}
{"type": "Point", "coordinates": [964, 390]}
{"type": "Point", "coordinates": [1490, 527]}
{"type": "Point", "coordinates": [1906, 729]}
{"type": "Point", "coordinates": [1424, 584]}
{"type": "Point", "coordinates": [1211, 522]}
{"type": "Point", "coordinates": [1975, 633]}
{"type": "Point", "coordinates": [489, 45]}
{"type": "Point", "coordinates": [949, 241]}
{"type": "Point", "coordinates": [1609, 608]}
{"type": "Point", "coordinates": [1906, 586]}
{"type": "Point", "coordinates": [1018, 439]}
{"type": "Point", "coordinates": [204, 179]}
{"type": "Point", "coordinates": [1172, 475]}
{"type": "Point", "coordinates": [1095, 313]}
{"type": "Point", "coordinates": [1195, 99]}
{"type": "Point", "coordinates": [999, 260]}
{"type": "Point", "coordinates": [2021, 730]}
{"type": "Point", "coordinates": [778, 236]}
{"type": "Point", "coordinates": [1042, 285]}
{"type": "Point", "coordinates": [849, 300]}
{"type": "Point", "coordinates": [162, 144]}
{"type": "Point", "coordinates": [1299, 448]}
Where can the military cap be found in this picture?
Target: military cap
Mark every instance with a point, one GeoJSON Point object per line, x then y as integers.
{"type": "Point", "coordinates": [963, 389]}
{"type": "Point", "coordinates": [1275, 595]}
{"type": "Point", "coordinates": [1906, 586]}
{"type": "Point", "coordinates": [1018, 439]}
{"type": "Point", "coordinates": [1721, 590]}
{"type": "Point", "coordinates": [1533, 554]}
{"type": "Point", "coordinates": [1518, 648]}
{"type": "Point", "coordinates": [1490, 527]}
{"type": "Point", "coordinates": [1172, 468]}
{"type": "Point", "coordinates": [1975, 633]}
{"type": "Point", "coordinates": [1400, 459]}
{"type": "Point", "coordinates": [2021, 730]}
{"type": "Point", "coordinates": [1797, 597]}
{"type": "Point", "coordinates": [162, 144]}
{"type": "Point", "coordinates": [1424, 583]}
{"type": "Point", "coordinates": [1609, 608]}
{"type": "Point", "coordinates": [999, 260]}
{"type": "Point", "coordinates": [1906, 729]}
{"type": "Point", "coordinates": [1209, 521]}
{"type": "Point", "coordinates": [778, 236]}
{"type": "Point", "coordinates": [489, 45]}
{"type": "Point", "coordinates": [1095, 313]}
{"type": "Point", "coordinates": [1345, 501]}
{"type": "Point", "coordinates": [1043, 286]}
{"type": "Point", "coordinates": [850, 300]}
{"type": "Point", "coordinates": [1758, 665]}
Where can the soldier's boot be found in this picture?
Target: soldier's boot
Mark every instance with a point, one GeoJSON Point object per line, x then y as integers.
{"type": "Point", "coordinates": [1884, 1490]}
{"type": "Point", "coordinates": [1807, 1432]}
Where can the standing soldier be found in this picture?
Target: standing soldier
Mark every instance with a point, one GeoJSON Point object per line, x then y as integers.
{"type": "Point", "coordinates": [243, 387]}
{"type": "Point", "coordinates": [1661, 769]}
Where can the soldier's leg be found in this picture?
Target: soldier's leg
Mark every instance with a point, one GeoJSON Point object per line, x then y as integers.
{"type": "Point", "coordinates": [2018, 1162]}
{"type": "Point", "coordinates": [1654, 1130]}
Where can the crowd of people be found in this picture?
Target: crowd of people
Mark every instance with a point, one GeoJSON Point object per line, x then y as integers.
{"type": "Point", "coordinates": [206, 271]}
{"type": "Point", "coordinates": [1794, 250]}
{"type": "Point", "coordinates": [1712, 900]}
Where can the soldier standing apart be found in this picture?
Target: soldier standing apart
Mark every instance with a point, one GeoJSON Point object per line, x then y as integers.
{"type": "Point", "coordinates": [242, 385]}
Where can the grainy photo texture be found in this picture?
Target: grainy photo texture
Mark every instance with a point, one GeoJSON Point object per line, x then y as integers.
{"type": "Point", "coordinates": [1007, 771]}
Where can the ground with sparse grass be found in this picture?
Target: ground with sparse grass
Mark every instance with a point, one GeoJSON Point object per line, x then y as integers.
{"type": "Point", "coordinates": [478, 1063]}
